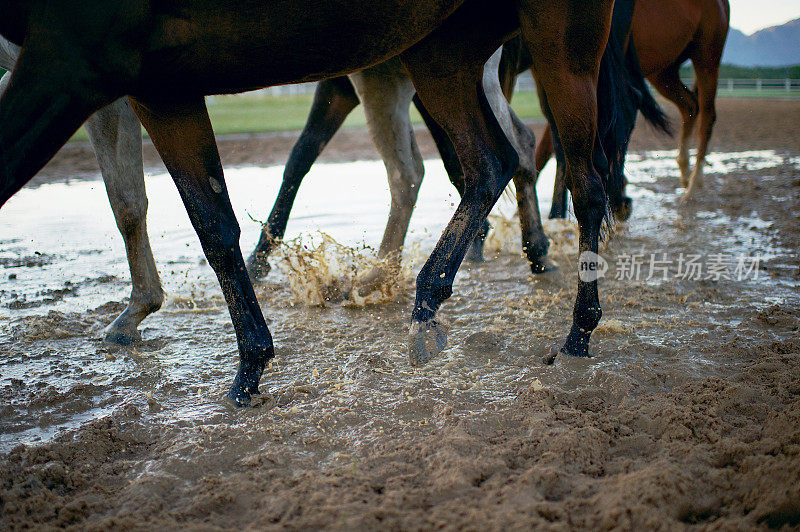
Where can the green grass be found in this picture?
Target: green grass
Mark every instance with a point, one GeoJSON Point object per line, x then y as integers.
{"type": "Point", "coordinates": [253, 113]}
{"type": "Point", "coordinates": [259, 113]}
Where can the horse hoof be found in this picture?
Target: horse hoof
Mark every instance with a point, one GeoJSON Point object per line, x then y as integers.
{"type": "Point", "coordinates": [258, 268]}
{"type": "Point", "coordinates": [122, 338]}
{"type": "Point", "coordinates": [542, 265]}
{"type": "Point", "coordinates": [551, 355]}
{"type": "Point", "coordinates": [426, 340]}
{"type": "Point", "coordinates": [371, 281]}
{"type": "Point", "coordinates": [576, 345]}
{"type": "Point", "coordinates": [239, 396]}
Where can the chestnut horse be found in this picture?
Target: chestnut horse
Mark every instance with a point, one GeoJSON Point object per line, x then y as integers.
{"type": "Point", "coordinates": [666, 33]}
{"type": "Point", "coordinates": [166, 56]}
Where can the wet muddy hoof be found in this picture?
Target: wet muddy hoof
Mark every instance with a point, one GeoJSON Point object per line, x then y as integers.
{"type": "Point", "coordinates": [372, 281]}
{"type": "Point", "coordinates": [577, 345]}
{"type": "Point", "coordinates": [426, 340]}
{"type": "Point", "coordinates": [258, 267]}
{"type": "Point", "coordinates": [240, 396]}
{"type": "Point", "coordinates": [542, 265]}
{"type": "Point", "coordinates": [114, 336]}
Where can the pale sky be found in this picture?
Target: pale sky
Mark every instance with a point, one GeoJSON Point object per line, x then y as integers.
{"type": "Point", "coordinates": [753, 15]}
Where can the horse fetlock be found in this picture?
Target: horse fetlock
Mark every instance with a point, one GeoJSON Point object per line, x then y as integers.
{"type": "Point", "coordinates": [536, 252]}
{"type": "Point", "coordinates": [147, 302]}
{"type": "Point", "coordinates": [587, 318]}
{"type": "Point", "coordinates": [622, 208]}
{"type": "Point", "coordinates": [377, 276]}
{"type": "Point", "coordinates": [589, 199]}
{"type": "Point", "coordinates": [258, 265]}
{"type": "Point", "coordinates": [577, 343]}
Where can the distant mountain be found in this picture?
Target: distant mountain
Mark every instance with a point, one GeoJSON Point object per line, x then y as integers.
{"type": "Point", "coordinates": [775, 46]}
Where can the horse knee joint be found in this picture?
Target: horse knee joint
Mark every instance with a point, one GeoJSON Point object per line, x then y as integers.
{"type": "Point", "coordinates": [220, 239]}
{"type": "Point", "coordinates": [130, 210]}
{"type": "Point", "coordinates": [589, 200]}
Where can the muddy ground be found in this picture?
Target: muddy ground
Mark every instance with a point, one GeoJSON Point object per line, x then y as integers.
{"type": "Point", "coordinates": [687, 416]}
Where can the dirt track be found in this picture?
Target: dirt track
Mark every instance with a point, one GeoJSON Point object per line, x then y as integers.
{"type": "Point", "coordinates": [689, 415]}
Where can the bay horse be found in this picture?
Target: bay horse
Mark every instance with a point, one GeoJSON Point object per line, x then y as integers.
{"type": "Point", "coordinates": [667, 33]}
{"type": "Point", "coordinates": [116, 137]}
{"type": "Point", "coordinates": [385, 90]}
{"type": "Point", "coordinates": [78, 57]}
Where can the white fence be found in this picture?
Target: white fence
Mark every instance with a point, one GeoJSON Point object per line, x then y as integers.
{"type": "Point", "coordinates": [525, 83]}
{"type": "Point", "coordinates": [731, 84]}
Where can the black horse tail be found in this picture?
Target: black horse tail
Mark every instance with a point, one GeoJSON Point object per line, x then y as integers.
{"type": "Point", "coordinates": [651, 111]}
{"type": "Point", "coordinates": [617, 106]}
{"type": "Point", "coordinates": [621, 92]}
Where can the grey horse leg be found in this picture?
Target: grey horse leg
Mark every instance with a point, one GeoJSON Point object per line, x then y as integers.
{"type": "Point", "coordinates": [534, 241]}
{"type": "Point", "coordinates": [386, 92]}
{"type": "Point", "coordinates": [116, 137]}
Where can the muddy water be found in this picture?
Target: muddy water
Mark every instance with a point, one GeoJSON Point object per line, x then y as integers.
{"type": "Point", "coordinates": [340, 381]}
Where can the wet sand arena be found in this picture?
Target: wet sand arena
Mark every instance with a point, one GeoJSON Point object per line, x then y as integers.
{"type": "Point", "coordinates": [688, 414]}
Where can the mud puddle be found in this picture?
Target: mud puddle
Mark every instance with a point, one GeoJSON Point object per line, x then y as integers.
{"type": "Point", "coordinates": [341, 383]}
{"type": "Point", "coordinates": [331, 361]}
{"type": "Point", "coordinates": [341, 374]}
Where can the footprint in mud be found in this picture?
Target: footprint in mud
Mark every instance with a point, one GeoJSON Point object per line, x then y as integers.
{"type": "Point", "coordinates": [485, 343]}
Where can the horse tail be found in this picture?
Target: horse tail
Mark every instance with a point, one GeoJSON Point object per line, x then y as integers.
{"type": "Point", "coordinates": [651, 111]}
{"type": "Point", "coordinates": [621, 93]}
{"type": "Point", "coordinates": [617, 106]}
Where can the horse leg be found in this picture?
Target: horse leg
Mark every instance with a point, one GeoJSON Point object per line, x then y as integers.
{"type": "Point", "coordinates": [334, 99]}
{"type": "Point", "coordinates": [668, 83]}
{"type": "Point", "coordinates": [115, 134]}
{"type": "Point", "coordinates": [568, 76]}
{"type": "Point", "coordinates": [45, 101]}
{"type": "Point", "coordinates": [446, 68]}
{"type": "Point", "coordinates": [544, 148]}
{"type": "Point", "coordinates": [534, 241]}
{"type": "Point", "coordinates": [707, 77]}
{"type": "Point", "coordinates": [117, 141]}
{"type": "Point", "coordinates": [386, 92]}
{"type": "Point", "coordinates": [183, 136]}
{"type": "Point", "coordinates": [455, 173]}
{"type": "Point", "coordinates": [560, 203]}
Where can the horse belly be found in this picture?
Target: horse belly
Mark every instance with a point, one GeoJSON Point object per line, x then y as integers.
{"type": "Point", "coordinates": [270, 43]}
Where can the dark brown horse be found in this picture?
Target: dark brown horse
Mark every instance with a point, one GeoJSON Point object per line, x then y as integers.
{"type": "Point", "coordinates": [79, 56]}
{"type": "Point", "coordinates": [666, 33]}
